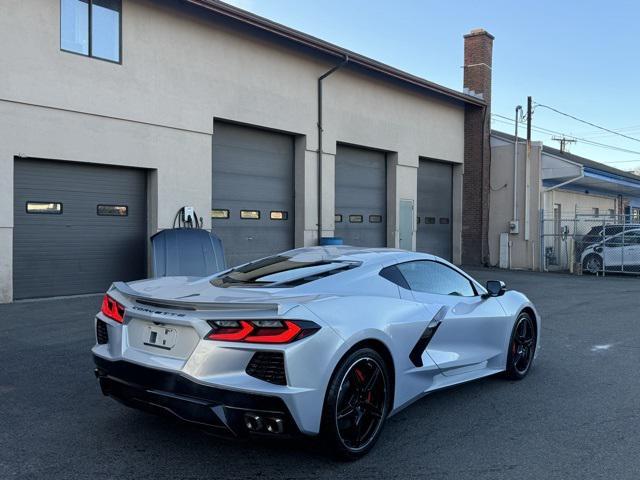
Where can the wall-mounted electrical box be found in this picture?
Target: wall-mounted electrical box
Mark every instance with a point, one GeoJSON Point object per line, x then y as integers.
{"type": "Point", "coordinates": [514, 227]}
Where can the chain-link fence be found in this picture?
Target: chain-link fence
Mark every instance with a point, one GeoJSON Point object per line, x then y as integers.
{"type": "Point", "coordinates": [595, 244]}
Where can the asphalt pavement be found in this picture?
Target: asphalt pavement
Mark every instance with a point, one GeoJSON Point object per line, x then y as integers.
{"type": "Point", "coordinates": [576, 416]}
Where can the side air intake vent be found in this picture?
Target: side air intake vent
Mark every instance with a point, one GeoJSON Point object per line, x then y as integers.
{"type": "Point", "coordinates": [268, 366]}
{"type": "Point", "coordinates": [102, 336]}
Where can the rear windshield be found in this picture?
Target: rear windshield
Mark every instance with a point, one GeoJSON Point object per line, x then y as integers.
{"type": "Point", "coordinates": [280, 271]}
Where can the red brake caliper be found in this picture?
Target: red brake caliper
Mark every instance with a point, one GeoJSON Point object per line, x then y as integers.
{"type": "Point", "coordinates": [361, 378]}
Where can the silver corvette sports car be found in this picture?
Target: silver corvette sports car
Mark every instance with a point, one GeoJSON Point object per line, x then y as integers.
{"type": "Point", "coordinates": [319, 340]}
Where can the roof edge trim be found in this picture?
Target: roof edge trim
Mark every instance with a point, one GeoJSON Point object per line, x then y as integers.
{"type": "Point", "coordinates": [330, 49]}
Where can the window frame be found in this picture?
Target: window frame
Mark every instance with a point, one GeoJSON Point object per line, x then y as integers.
{"type": "Point", "coordinates": [225, 210]}
{"type": "Point", "coordinates": [89, 53]}
{"type": "Point", "coordinates": [285, 215]}
{"type": "Point", "coordinates": [477, 288]}
{"type": "Point", "coordinates": [111, 205]}
{"type": "Point", "coordinates": [26, 207]}
{"type": "Point", "coordinates": [249, 210]}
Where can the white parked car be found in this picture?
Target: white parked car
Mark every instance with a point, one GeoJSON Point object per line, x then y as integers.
{"type": "Point", "coordinates": [619, 252]}
{"type": "Point", "coordinates": [318, 340]}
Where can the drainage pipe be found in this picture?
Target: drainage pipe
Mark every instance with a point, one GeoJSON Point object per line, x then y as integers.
{"type": "Point", "coordinates": [320, 129]}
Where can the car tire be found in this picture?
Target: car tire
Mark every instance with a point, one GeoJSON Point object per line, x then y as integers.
{"type": "Point", "coordinates": [356, 405]}
{"type": "Point", "coordinates": [592, 264]}
{"type": "Point", "coordinates": [522, 347]}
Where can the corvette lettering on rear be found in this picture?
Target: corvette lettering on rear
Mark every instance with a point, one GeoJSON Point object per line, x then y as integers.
{"type": "Point", "coordinates": [157, 312]}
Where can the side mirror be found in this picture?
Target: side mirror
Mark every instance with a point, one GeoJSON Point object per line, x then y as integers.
{"type": "Point", "coordinates": [495, 288]}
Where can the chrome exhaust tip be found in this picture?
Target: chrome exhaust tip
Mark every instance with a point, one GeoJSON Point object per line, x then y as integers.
{"type": "Point", "coordinates": [253, 422]}
{"type": "Point", "coordinates": [274, 425]}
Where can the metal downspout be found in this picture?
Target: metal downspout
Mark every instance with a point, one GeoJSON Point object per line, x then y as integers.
{"type": "Point", "coordinates": [320, 129]}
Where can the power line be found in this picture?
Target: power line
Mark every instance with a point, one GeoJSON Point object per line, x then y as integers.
{"type": "Point", "coordinates": [509, 121]}
{"type": "Point", "coordinates": [597, 133]}
{"type": "Point", "coordinates": [600, 134]}
{"type": "Point", "coordinates": [593, 143]}
{"type": "Point", "coordinates": [588, 123]}
{"type": "Point", "coordinates": [625, 161]}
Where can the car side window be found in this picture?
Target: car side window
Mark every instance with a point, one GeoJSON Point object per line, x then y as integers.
{"type": "Point", "coordinates": [614, 242]}
{"type": "Point", "coordinates": [433, 277]}
{"type": "Point", "coordinates": [632, 238]}
{"type": "Point", "coordinates": [614, 230]}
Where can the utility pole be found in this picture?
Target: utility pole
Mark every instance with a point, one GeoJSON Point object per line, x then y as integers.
{"type": "Point", "coordinates": [563, 142]}
{"type": "Point", "coordinates": [529, 101]}
{"type": "Point", "coordinates": [527, 172]}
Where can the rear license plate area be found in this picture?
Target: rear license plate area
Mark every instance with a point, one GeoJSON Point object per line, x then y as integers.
{"type": "Point", "coordinates": [161, 337]}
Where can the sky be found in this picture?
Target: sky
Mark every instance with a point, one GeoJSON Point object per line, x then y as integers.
{"type": "Point", "coordinates": [579, 57]}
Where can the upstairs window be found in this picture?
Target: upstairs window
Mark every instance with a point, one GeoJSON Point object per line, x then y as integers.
{"type": "Point", "coordinates": [91, 28]}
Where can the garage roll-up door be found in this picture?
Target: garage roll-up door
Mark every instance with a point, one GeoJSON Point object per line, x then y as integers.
{"type": "Point", "coordinates": [435, 198]}
{"type": "Point", "coordinates": [252, 192]}
{"type": "Point", "coordinates": [77, 227]}
{"type": "Point", "coordinates": [361, 196]}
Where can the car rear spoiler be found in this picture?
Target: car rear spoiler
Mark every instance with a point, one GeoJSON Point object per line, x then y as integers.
{"type": "Point", "coordinates": [122, 287]}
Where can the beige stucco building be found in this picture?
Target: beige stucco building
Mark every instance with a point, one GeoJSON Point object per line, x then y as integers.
{"type": "Point", "coordinates": [180, 70]}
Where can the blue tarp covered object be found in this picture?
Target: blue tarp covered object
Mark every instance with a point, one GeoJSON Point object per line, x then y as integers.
{"type": "Point", "coordinates": [191, 252]}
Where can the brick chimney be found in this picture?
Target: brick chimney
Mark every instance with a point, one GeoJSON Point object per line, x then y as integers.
{"type": "Point", "coordinates": [478, 47]}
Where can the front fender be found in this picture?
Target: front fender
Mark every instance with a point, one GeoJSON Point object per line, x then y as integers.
{"type": "Point", "coordinates": [514, 303]}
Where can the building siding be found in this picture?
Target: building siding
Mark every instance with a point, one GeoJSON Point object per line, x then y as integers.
{"type": "Point", "coordinates": [181, 68]}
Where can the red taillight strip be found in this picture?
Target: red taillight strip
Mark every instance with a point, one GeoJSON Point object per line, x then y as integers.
{"type": "Point", "coordinates": [254, 331]}
{"type": "Point", "coordinates": [112, 309]}
{"type": "Point", "coordinates": [286, 336]}
{"type": "Point", "coordinates": [245, 329]}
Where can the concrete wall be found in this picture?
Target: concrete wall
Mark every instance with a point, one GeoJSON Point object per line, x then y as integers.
{"type": "Point", "coordinates": [182, 68]}
{"type": "Point", "coordinates": [524, 247]}
{"type": "Point", "coordinates": [575, 202]}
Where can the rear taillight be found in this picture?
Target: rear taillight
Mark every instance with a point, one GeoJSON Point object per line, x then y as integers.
{"type": "Point", "coordinates": [261, 331]}
{"type": "Point", "coordinates": [112, 309]}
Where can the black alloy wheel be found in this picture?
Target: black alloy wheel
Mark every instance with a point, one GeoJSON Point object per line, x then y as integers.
{"type": "Point", "coordinates": [522, 347]}
{"type": "Point", "coordinates": [357, 404]}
